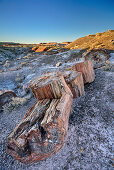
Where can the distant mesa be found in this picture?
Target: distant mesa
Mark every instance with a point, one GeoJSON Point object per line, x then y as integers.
{"type": "Point", "coordinates": [99, 40]}
{"type": "Point", "coordinates": [52, 43]}
{"type": "Point", "coordinates": [41, 47]}
{"type": "Point", "coordinates": [65, 43]}
{"type": "Point", "coordinates": [5, 45]}
{"type": "Point", "coordinates": [42, 43]}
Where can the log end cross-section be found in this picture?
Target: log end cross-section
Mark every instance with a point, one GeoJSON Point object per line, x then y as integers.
{"type": "Point", "coordinates": [43, 129]}
{"type": "Point", "coordinates": [42, 132]}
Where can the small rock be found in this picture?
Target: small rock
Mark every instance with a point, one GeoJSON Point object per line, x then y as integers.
{"type": "Point", "coordinates": [58, 64]}
{"type": "Point", "coordinates": [81, 150]}
{"type": "Point", "coordinates": [7, 63]}
{"type": "Point", "coordinates": [6, 97]}
{"type": "Point", "coordinates": [19, 78]}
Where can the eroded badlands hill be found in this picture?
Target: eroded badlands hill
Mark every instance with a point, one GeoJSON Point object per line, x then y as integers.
{"type": "Point", "coordinates": [99, 40]}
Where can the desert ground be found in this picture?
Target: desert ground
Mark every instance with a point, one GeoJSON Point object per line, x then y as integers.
{"type": "Point", "coordinates": [89, 141]}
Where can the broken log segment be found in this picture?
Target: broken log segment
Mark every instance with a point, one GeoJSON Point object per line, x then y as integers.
{"type": "Point", "coordinates": [44, 127]}
{"type": "Point", "coordinates": [98, 57]}
{"type": "Point", "coordinates": [86, 68]}
{"type": "Point", "coordinates": [51, 85]}
{"type": "Point", "coordinates": [42, 132]}
{"type": "Point", "coordinates": [75, 82]}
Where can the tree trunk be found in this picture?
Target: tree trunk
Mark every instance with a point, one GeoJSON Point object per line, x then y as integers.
{"type": "Point", "coordinates": [44, 127]}
{"type": "Point", "coordinates": [42, 131]}
{"type": "Point", "coordinates": [86, 69]}
{"type": "Point", "coordinates": [51, 85]}
{"type": "Point", "coordinates": [98, 57]}
{"type": "Point", "coordinates": [75, 82]}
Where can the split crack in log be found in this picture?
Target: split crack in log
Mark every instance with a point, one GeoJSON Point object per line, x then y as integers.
{"type": "Point", "coordinates": [43, 129]}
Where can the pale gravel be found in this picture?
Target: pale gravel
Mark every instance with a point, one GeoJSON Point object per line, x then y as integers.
{"type": "Point", "coordinates": [89, 142]}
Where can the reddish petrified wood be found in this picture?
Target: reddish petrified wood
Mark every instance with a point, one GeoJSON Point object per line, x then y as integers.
{"type": "Point", "coordinates": [86, 68]}
{"type": "Point", "coordinates": [42, 131]}
{"type": "Point", "coordinates": [75, 82]}
{"type": "Point", "coordinates": [44, 127]}
{"type": "Point", "coordinates": [51, 85]}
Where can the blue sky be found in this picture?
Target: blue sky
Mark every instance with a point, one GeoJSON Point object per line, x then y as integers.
{"type": "Point", "coordinates": [34, 21]}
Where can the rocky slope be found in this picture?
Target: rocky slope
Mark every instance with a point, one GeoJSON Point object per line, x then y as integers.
{"type": "Point", "coordinates": [99, 40]}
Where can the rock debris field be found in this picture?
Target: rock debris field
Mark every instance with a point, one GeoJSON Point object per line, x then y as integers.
{"type": "Point", "coordinates": [89, 141]}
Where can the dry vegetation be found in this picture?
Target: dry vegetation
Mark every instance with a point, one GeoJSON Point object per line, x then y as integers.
{"type": "Point", "coordinates": [15, 103]}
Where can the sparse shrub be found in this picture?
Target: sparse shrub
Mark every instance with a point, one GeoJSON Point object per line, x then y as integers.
{"type": "Point", "coordinates": [15, 103]}
{"type": "Point", "coordinates": [7, 63]}
{"type": "Point", "coordinates": [23, 63]}
{"type": "Point", "coordinates": [109, 66]}
{"type": "Point", "coordinates": [98, 34]}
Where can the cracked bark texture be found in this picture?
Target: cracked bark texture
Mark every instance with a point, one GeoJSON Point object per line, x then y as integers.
{"type": "Point", "coordinates": [86, 68]}
{"type": "Point", "coordinates": [43, 129]}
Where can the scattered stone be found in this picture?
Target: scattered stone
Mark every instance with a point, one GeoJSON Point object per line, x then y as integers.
{"type": "Point", "coordinates": [111, 59]}
{"type": "Point", "coordinates": [58, 64]}
{"type": "Point", "coordinates": [109, 66]}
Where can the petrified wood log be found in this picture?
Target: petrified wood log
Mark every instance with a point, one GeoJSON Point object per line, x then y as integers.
{"type": "Point", "coordinates": [42, 131]}
{"type": "Point", "coordinates": [86, 68]}
{"type": "Point", "coordinates": [44, 127]}
{"type": "Point", "coordinates": [75, 82]}
{"type": "Point", "coordinates": [97, 56]}
{"type": "Point", "coordinates": [51, 85]}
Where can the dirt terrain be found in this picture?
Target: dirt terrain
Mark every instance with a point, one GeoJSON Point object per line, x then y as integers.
{"type": "Point", "coordinates": [89, 142]}
{"type": "Point", "coordinates": [99, 40]}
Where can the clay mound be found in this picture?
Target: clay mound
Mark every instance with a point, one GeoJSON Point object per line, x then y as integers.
{"type": "Point", "coordinates": [40, 48]}
{"type": "Point", "coordinates": [65, 43]}
{"type": "Point", "coordinates": [34, 48]}
{"type": "Point", "coordinates": [99, 40]}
